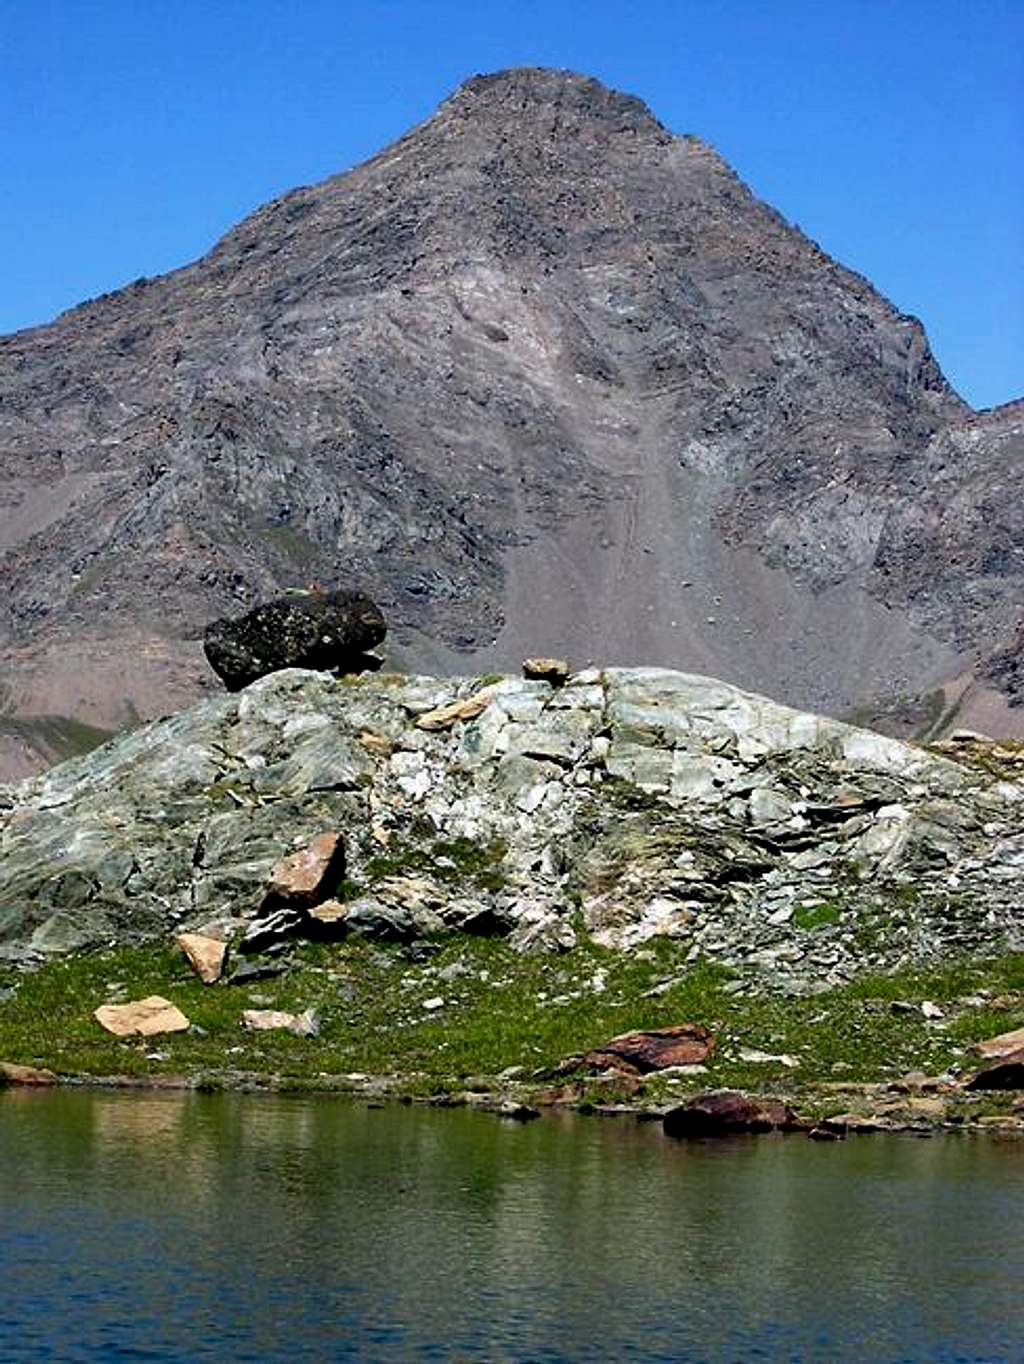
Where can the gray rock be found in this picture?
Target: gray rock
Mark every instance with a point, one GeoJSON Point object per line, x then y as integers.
{"type": "Point", "coordinates": [748, 832]}
{"type": "Point", "coordinates": [272, 928]}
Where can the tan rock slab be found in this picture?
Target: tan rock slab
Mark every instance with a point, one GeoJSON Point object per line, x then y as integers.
{"type": "Point", "coordinates": [330, 913]}
{"type": "Point", "coordinates": [306, 1024]}
{"type": "Point", "coordinates": [265, 1020]}
{"type": "Point", "coordinates": [308, 875]}
{"type": "Point", "coordinates": [1002, 1045]}
{"type": "Point", "coordinates": [13, 1074]}
{"type": "Point", "coordinates": [141, 1017]}
{"type": "Point", "coordinates": [553, 670]}
{"type": "Point", "coordinates": [444, 717]}
{"type": "Point", "coordinates": [205, 955]}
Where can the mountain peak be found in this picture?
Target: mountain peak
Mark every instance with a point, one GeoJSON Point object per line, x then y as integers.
{"type": "Point", "coordinates": [539, 378]}
{"type": "Point", "coordinates": [530, 89]}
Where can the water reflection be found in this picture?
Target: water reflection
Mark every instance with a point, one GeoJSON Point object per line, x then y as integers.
{"type": "Point", "coordinates": [205, 1226]}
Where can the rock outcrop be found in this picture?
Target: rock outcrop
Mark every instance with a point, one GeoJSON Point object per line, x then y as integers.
{"type": "Point", "coordinates": [620, 804]}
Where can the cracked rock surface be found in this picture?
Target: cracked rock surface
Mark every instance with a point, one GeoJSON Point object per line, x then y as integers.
{"type": "Point", "coordinates": [620, 805]}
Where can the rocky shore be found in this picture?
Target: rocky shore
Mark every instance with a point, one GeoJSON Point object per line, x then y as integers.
{"type": "Point", "coordinates": [472, 887]}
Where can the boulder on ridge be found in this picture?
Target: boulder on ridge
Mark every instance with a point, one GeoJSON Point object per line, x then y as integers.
{"type": "Point", "coordinates": [324, 631]}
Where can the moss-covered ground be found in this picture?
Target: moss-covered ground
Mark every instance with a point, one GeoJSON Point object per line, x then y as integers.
{"type": "Point", "coordinates": [500, 1011]}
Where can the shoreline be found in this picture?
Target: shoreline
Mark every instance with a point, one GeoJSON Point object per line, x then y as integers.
{"type": "Point", "coordinates": [472, 1023]}
{"type": "Point", "coordinates": [820, 1112]}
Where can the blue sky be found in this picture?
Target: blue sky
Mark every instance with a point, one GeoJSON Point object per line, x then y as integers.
{"type": "Point", "coordinates": [134, 132]}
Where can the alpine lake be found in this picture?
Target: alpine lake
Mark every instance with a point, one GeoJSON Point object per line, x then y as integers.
{"type": "Point", "coordinates": [223, 1226]}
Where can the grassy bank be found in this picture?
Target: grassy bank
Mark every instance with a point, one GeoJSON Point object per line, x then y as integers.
{"type": "Point", "coordinates": [379, 1016]}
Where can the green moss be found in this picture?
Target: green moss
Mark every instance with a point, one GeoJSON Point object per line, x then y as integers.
{"type": "Point", "coordinates": [56, 737]}
{"type": "Point", "coordinates": [452, 861]}
{"type": "Point", "coordinates": [293, 544]}
{"type": "Point", "coordinates": [816, 916]}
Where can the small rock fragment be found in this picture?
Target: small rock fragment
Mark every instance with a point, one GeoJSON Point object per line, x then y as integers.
{"type": "Point", "coordinates": [444, 717]}
{"type": "Point", "coordinates": [331, 915]}
{"type": "Point", "coordinates": [249, 971]}
{"type": "Point", "coordinates": [13, 1074]}
{"type": "Point", "coordinates": [377, 743]}
{"type": "Point", "coordinates": [141, 1017]}
{"type": "Point", "coordinates": [517, 1112]}
{"type": "Point", "coordinates": [752, 1056]}
{"type": "Point", "coordinates": [309, 875]}
{"type": "Point", "coordinates": [553, 670]}
{"type": "Point", "coordinates": [825, 1133]}
{"type": "Point", "coordinates": [306, 1024]}
{"type": "Point", "coordinates": [845, 1123]}
{"type": "Point", "coordinates": [264, 1020]}
{"type": "Point", "coordinates": [206, 955]}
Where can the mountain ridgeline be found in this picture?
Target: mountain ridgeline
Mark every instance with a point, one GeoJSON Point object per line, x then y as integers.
{"type": "Point", "coordinates": [541, 377]}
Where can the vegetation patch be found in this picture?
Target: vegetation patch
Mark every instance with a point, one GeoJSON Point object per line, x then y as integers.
{"type": "Point", "coordinates": [466, 1008]}
{"type": "Point", "coordinates": [816, 916]}
{"type": "Point", "coordinates": [452, 861]}
{"type": "Point", "coordinates": [56, 737]}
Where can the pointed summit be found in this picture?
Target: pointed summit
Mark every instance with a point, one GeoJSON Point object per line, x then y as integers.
{"type": "Point", "coordinates": [534, 90]}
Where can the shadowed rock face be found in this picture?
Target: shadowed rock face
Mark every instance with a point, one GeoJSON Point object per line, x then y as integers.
{"type": "Point", "coordinates": [541, 377]}
{"type": "Point", "coordinates": [329, 632]}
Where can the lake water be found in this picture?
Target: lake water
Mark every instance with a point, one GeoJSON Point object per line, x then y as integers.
{"type": "Point", "coordinates": [160, 1227]}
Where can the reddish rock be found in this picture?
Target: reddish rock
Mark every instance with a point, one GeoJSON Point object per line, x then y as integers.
{"type": "Point", "coordinates": [12, 1074]}
{"type": "Point", "coordinates": [688, 1044]}
{"type": "Point", "coordinates": [723, 1112]}
{"type": "Point", "coordinates": [1006, 1073]}
{"type": "Point", "coordinates": [309, 875]}
{"type": "Point", "coordinates": [1003, 1045]}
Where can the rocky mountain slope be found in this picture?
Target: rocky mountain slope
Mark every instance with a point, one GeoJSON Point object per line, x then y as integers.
{"type": "Point", "coordinates": [539, 376]}
{"type": "Point", "coordinates": [623, 806]}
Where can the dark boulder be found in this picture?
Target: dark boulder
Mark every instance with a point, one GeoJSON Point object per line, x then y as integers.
{"type": "Point", "coordinates": [723, 1112]}
{"type": "Point", "coordinates": [1006, 1073]}
{"type": "Point", "coordinates": [326, 631]}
